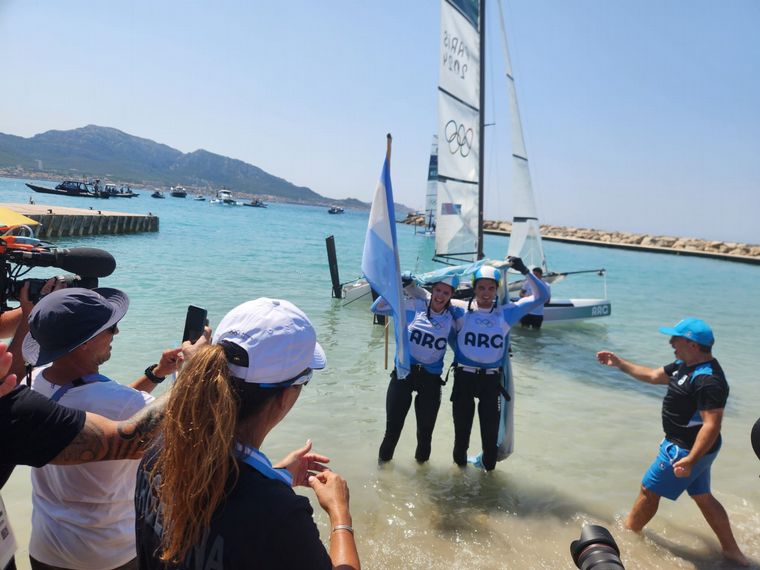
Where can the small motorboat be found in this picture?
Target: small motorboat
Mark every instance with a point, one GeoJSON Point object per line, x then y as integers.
{"type": "Point", "coordinates": [123, 192]}
{"type": "Point", "coordinates": [199, 198]}
{"type": "Point", "coordinates": [335, 210]}
{"type": "Point", "coordinates": [178, 192]}
{"type": "Point", "coordinates": [158, 194]}
{"type": "Point", "coordinates": [256, 203]}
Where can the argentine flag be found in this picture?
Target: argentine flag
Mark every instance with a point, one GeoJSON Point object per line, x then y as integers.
{"type": "Point", "coordinates": [380, 263]}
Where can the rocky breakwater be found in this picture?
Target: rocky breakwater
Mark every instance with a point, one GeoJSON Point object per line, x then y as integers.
{"type": "Point", "coordinates": [748, 253]}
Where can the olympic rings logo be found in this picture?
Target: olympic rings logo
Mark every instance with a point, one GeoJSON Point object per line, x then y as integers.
{"type": "Point", "coordinates": [484, 323]}
{"type": "Point", "coordinates": [459, 138]}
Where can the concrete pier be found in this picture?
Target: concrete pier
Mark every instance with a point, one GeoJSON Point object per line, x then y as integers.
{"type": "Point", "coordinates": [60, 221]}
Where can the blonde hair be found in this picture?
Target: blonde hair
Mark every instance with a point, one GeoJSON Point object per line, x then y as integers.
{"type": "Point", "coordinates": [198, 456]}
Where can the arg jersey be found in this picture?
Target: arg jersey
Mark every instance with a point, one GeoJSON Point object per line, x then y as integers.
{"type": "Point", "coordinates": [481, 334]}
{"type": "Point", "coordinates": [691, 389]}
{"type": "Point", "coordinates": [428, 332]}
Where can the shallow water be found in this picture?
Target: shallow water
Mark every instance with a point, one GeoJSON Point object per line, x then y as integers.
{"type": "Point", "coordinates": [584, 433]}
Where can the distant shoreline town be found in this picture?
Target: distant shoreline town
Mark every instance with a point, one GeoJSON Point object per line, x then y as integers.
{"type": "Point", "coordinates": [731, 251]}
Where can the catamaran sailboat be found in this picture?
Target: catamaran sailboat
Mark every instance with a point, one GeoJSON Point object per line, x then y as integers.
{"type": "Point", "coordinates": [459, 209]}
{"type": "Point", "coordinates": [459, 164]}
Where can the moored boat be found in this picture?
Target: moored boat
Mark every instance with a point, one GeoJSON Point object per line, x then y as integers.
{"type": "Point", "coordinates": [178, 192]}
{"type": "Point", "coordinates": [225, 198]}
{"type": "Point", "coordinates": [70, 188]}
{"type": "Point", "coordinates": [158, 194]}
{"type": "Point", "coordinates": [335, 210]}
{"type": "Point", "coordinates": [256, 203]}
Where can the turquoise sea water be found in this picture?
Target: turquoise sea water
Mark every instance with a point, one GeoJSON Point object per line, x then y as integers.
{"type": "Point", "coordinates": [584, 433]}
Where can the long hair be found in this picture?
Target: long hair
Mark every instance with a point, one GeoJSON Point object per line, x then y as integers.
{"type": "Point", "coordinates": [196, 466]}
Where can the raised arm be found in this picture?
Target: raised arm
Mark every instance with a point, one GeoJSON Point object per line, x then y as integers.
{"type": "Point", "coordinates": [514, 312]}
{"type": "Point", "coordinates": [413, 291]}
{"type": "Point", "coordinates": [168, 364]}
{"type": "Point", "coordinates": [637, 371]}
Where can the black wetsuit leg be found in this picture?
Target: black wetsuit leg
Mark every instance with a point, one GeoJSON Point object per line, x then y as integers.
{"type": "Point", "coordinates": [532, 321]}
{"type": "Point", "coordinates": [426, 405]}
{"type": "Point", "coordinates": [463, 408]}
{"type": "Point", "coordinates": [489, 411]}
{"type": "Point", "coordinates": [398, 399]}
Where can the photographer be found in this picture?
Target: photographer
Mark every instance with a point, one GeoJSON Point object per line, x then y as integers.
{"type": "Point", "coordinates": [692, 413]}
{"type": "Point", "coordinates": [70, 337]}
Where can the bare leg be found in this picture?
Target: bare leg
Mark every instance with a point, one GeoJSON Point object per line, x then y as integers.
{"type": "Point", "coordinates": [644, 508]}
{"type": "Point", "coordinates": [717, 518]}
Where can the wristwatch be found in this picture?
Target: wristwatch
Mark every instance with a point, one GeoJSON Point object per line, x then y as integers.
{"type": "Point", "coordinates": [152, 377]}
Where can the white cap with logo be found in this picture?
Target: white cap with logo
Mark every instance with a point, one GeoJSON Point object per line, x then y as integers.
{"type": "Point", "coordinates": [278, 338]}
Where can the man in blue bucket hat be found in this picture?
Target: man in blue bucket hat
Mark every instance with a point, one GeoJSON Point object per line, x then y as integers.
{"type": "Point", "coordinates": [69, 339]}
{"type": "Point", "coordinates": [692, 412]}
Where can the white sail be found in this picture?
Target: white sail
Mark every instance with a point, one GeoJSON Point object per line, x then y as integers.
{"type": "Point", "coordinates": [431, 191]}
{"type": "Point", "coordinates": [525, 240]}
{"type": "Point", "coordinates": [458, 130]}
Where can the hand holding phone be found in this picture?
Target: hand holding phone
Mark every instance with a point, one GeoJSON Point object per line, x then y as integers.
{"type": "Point", "coordinates": [195, 321]}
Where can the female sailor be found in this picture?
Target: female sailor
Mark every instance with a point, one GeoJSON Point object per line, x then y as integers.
{"type": "Point", "coordinates": [481, 343]}
{"type": "Point", "coordinates": [430, 322]}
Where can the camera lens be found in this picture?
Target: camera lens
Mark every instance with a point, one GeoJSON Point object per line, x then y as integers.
{"type": "Point", "coordinates": [596, 549]}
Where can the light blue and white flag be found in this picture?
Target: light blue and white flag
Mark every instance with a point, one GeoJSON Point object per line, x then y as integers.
{"type": "Point", "coordinates": [380, 261]}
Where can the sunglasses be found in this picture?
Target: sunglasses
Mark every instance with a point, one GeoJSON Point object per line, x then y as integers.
{"type": "Point", "coordinates": [113, 329]}
{"type": "Point", "coordinates": [301, 379]}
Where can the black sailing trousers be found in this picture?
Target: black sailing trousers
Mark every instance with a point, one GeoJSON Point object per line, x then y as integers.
{"type": "Point", "coordinates": [486, 388]}
{"type": "Point", "coordinates": [398, 400]}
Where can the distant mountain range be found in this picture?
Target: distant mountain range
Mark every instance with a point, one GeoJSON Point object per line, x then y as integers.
{"type": "Point", "coordinates": [110, 154]}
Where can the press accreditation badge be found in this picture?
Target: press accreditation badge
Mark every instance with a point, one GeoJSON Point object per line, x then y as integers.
{"type": "Point", "coordinates": [7, 540]}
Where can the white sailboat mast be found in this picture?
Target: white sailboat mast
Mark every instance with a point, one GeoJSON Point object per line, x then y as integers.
{"type": "Point", "coordinates": [525, 241]}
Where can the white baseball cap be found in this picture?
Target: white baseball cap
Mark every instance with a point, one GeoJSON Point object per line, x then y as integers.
{"type": "Point", "coordinates": [278, 340]}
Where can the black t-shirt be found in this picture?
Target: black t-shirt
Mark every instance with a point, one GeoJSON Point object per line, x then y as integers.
{"type": "Point", "coordinates": [33, 429]}
{"type": "Point", "coordinates": [691, 389]}
{"type": "Point", "coordinates": [262, 523]}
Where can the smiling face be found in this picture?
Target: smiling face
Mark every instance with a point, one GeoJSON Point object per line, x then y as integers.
{"type": "Point", "coordinates": [485, 292]}
{"type": "Point", "coordinates": [440, 296]}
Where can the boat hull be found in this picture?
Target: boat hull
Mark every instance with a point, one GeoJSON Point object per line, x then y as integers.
{"type": "Point", "coordinates": [43, 190]}
{"type": "Point", "coordinates": [562, 310]}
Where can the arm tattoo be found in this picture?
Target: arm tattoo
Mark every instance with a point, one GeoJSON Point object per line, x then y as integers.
{"type": "Point", "coordinates": [135, 433]}
{"type": "Point", "coordinates": [90, 444]}
{"type": "Point", "coordinates": [103, 439]}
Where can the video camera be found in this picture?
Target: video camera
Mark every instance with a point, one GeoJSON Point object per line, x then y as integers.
{"type": "Point", "coordinates": [596, 549]}
{"type": "Point", "coordinates": [19, 254]}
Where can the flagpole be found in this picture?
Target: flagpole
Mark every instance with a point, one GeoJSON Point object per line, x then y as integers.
{"type": "Point", "coordinates": [387, 326]}
{"type": "Point", "coordinates": [389, 141]}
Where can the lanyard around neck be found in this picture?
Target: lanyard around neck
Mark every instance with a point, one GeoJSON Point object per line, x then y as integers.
{"type": "Point", "coordinates": [86, 379]}
{"type": "Point", "coordinates": [261, 463]}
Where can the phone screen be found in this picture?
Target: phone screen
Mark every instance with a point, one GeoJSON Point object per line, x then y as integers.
{"type": "Point", "coordinates": [194, 323]}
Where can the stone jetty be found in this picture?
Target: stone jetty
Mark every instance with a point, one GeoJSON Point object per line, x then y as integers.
{"type": "Point", "coordinates": [731, 251]}
{"type": "Point", "coordinates": [59, 221]}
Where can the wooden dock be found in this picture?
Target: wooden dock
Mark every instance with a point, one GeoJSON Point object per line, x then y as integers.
{"type": "Point", "coordinates": [60, 221]}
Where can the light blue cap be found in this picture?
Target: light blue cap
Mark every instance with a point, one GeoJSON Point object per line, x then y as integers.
{"type": "Point", "coordinates": [693, 329]}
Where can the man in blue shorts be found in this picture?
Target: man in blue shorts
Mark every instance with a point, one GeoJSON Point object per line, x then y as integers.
{"type": "Point", "coordinates": [692, 412]}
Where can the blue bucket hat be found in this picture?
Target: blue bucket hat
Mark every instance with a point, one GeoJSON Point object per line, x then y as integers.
{"type": "Point", "coordinates": [695, 330]}
{"type": "Point", "coordinates": [66, 319]}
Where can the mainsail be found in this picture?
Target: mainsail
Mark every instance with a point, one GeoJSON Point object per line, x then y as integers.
{"type": "Point", "coordinates": [431, 192]}
{"type": "Point", "coordinates": [525, 239]}
{"type": "Point", "coordinates": [459, 131]}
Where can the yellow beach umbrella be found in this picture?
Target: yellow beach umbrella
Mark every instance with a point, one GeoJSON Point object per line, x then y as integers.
{"type": "Point", "coordinates": [10, 218]}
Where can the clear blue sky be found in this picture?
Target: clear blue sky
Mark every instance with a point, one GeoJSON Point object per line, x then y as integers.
{"type": "Point", "coordinates": [639, 115]}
